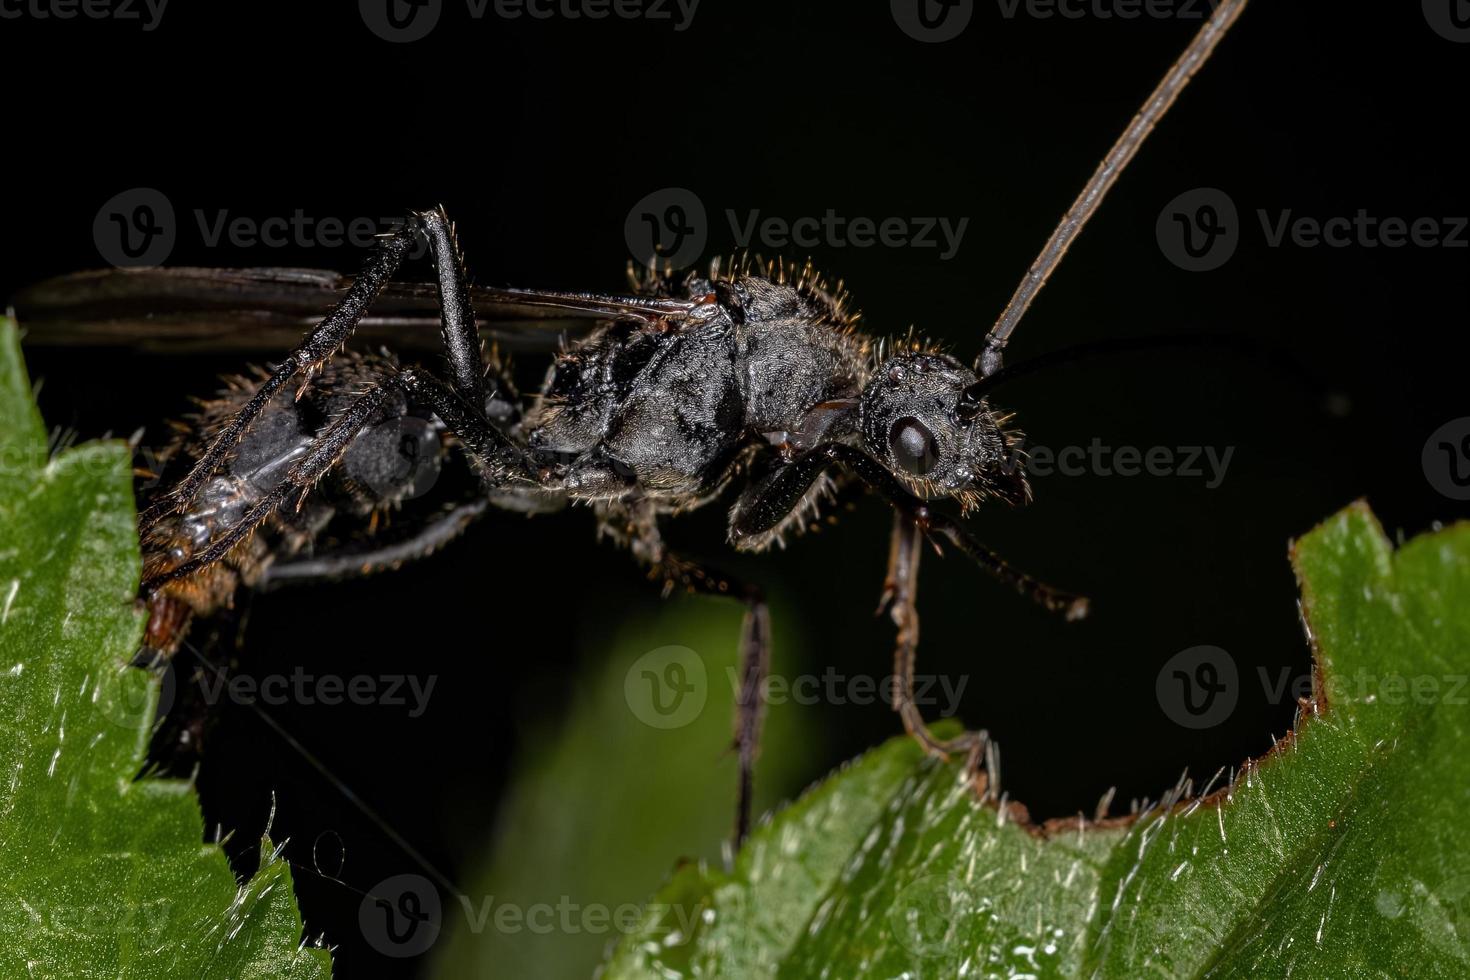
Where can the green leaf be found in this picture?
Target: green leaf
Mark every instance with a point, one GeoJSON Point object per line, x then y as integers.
{"type": "Point", "coordinates": [609, 788]}
{"type": "Point", "coordinates": [1343, 852]}
{"type": "Point", "coordinates": [101, 874]}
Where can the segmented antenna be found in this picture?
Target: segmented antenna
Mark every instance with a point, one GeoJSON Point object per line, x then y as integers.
{"type": "Point", "coordinates": [1104, 178]}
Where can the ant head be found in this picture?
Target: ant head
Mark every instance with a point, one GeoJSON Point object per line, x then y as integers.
{"type": "Point", "coordinates": [923, 423]}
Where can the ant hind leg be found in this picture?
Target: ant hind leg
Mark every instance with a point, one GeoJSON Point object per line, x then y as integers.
{"type": "Point", "coordinates": [635, 526]}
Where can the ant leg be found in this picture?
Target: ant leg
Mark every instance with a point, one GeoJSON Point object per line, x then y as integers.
{"type": "Point", "coordinates": [644, 540]}
{"type": "Point", "coordinates": [457, 318]}
{"type": "Point", "coordinates": [766, 505]}
{"type": "Point", "coordinates": [755, 664]}
{"type": "Point", "coordinates": [750, 701]}
{"type": "Point", "coordinates": [433, 535]}
{"type": "Point", "coordinates": [354, 564]}
{"type": "Point", "coordinates": [457, 324]}
{"type": "Point", "coordinates": [320, 344]}
{"type": "Point", "coordinates": [900, 594]}
{"type": "Point", "coordinates": [495, 457]}
{"type": "Point", "coordinates": [754, 518]}
{"type": "Point", "coordinates": [936, 524]}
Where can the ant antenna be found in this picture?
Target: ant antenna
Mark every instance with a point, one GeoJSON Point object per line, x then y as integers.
{"type": "Point", "coordinates": [1278, 356]}
{"type": "Point", "coordinates": [1104, 178]}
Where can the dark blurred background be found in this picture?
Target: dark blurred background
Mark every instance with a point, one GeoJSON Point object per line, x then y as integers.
{"type": "Point", "coordinates": [541, 135]}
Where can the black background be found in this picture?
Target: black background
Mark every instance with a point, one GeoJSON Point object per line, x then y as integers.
{"type": "Point", "coordinates": [540, 136]}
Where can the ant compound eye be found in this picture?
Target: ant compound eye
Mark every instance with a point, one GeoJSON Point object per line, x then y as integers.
{"type": "Point", "coordinates": [913, 445]}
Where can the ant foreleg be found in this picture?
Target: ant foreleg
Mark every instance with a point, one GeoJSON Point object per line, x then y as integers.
{"type": "Point", "coordinates": [900, 594]}
{"type": "Point", "coordinates": [785, 488]}
{"type": "Point", "coordinates": [936, 524]}
{"type": "Point", "coordinates": [768, 504]}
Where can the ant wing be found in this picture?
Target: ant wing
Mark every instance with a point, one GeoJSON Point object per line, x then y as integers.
{"type": "Point", "coordinates": [247, 310]}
